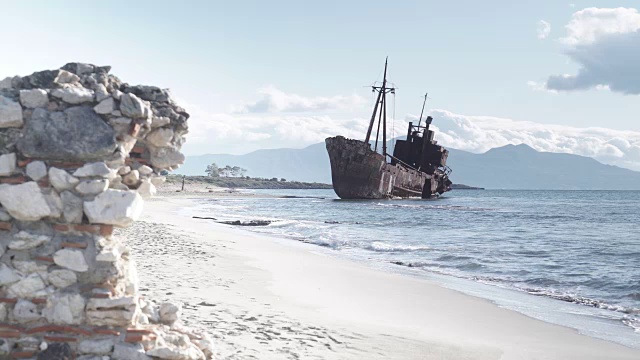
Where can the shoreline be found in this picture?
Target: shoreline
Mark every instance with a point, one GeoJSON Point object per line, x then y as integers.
{"type": "Point", "coordinates": [335, 303]}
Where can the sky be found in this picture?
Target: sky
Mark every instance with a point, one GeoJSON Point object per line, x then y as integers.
{"type": "Point", "coordinates": [560, 76]}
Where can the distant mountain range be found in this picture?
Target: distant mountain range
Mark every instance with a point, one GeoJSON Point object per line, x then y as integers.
{"type": "Point", "coordinates": [507, 167]}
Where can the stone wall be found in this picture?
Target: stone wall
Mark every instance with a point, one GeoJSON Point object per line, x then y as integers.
{"type": "Point", "coordinates": [79, 151]}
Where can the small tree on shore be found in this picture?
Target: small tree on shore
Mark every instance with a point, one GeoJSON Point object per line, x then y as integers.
{"type": "Point", "coordinates": [228, 171]}
{"type": "Point", "coordinates": [238, 171]}
{"type": "Point", "coordinates": [225, 171]}
{"type": "Point", "coordinates": [213, 170]}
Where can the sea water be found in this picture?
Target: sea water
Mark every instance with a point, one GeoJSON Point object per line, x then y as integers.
{"type": "Point", "coordinates": [567, 257]}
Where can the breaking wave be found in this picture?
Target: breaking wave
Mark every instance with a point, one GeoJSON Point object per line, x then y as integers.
{"type": "Point", "coordinates": [434, 207]}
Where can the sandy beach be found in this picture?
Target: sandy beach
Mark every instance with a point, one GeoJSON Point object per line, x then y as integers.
{"type": "Point", "coordinates": [269, 298]}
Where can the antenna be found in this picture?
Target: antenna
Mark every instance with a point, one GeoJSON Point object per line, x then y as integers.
{"type": "Point", "coordinates": [423, 104]}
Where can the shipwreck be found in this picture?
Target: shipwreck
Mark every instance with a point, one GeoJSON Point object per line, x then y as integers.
{"type": "Point", "coordinates": [417, 167]}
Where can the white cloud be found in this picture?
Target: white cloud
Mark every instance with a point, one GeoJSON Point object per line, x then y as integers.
{"type": "Point", "coordinates": [606, 45]}
{"type": "Point", "coordinates": [544, 29]}
{"type": "Point", "coordinates": [540, 86]}
{"type": "Point", "coordinates": [481, 133]}
{"type": "Point", "coordinates": [591, 24]}
{"type": "Point", "coordinates": [274, 100]}
{"type": "Point", "coordinates": [215, 132]}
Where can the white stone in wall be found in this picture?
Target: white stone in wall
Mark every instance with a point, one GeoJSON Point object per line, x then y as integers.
{"type": "Point", "coordinates": [126, 303]}
{"type": "Point", "coordinates": [71, 259]}
{"type": "Point", "coordinates": [71, 207]}
{"type": "Point", "coordinates": [101, 92]}
{"type": "Point", "coordinates": [114, 207]}
{"type": "Point", "coordinates": [5, 83]}
{"type": "Point", "coordinates": [120, 125]}
{"type": "Point", "coordinates": [145, 170]}
{"type": "Point", "coordinates": [7, 275]}
{"type": "Point", "coordinates": [133, 107]}
{"type": "Point", "coordinates": [124, 170]}
{"type": "Point", "coordinates": [34, 98]}
{"type": "Point", "coordinates": [36, 170]}
{"type": "Point", "coordinates": [61, 278]}
{"type": "Point", "coordinates": [92, 187]}
{"type": "Point", "coordinates": [62, 180]}
{"type": "Point", "coordinates": [25, 311]}
{"type": "Point", "coordinates": [118, 185]}
{"type": "Point", "coordinates": [131, 281]}
{"type": "Point", "coordinates": [24, 241]}
{"type": "Point", "coordinates": [82, 68]}
{"type": "Point", "coordinates": [159, 121]}
{"type": "Point", "coordinates": [64, 309]}
{"type": "Point", "coordinates": [27, 202]}
{"type": "Point", "coordinates": [110, 317]}
{"type": "Point", "coordinates": [170, 312]}
{"type": "Point", "coordinates": [160, 137]}
{"type": "Point", "coordinates": [54, 202]}
{"type": "Point", "coordinates": [152, 311]}
{"type": "Point", "coordinates": [127, 143]}
{"type": "Point", "coordinates": [146, 189]}
{"type": "Point", "coordinates": [177, 340]}
{"type": "Point", "coordinates": [3, 311]}
{"type": "Point", "coordinates": [117, 94]}
{"type": "Point", "coordinates": [26, 267]}
{"type": "Point", "coordinates": [98, 169]}
{"type": "Point", "coordinates": [7, 164]}
{"type": "Point", "coordinates": [112, 311]}
{"type": "Point", "coordinates": [74, 95]}
{"type": "Point", "coordinates": [98, 347]}
{"type": "Point", "coordinates": [106, 106]}
{"type": "Point", "coordinates": [131, 178]}
{"type": "Point", "coordinates": [109, 255]}
{"type": "Point", "coordinates": [66, 77]}
{"type": "Point", "coordinates": [10, 113]}
{"type": "Point", "coordinates": [29, 343]}
{"type": "Point", "coordinates": [29, 287]}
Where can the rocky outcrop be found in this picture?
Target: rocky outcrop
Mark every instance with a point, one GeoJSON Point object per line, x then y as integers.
{"type": "Point", "coordinates": [79, 150]}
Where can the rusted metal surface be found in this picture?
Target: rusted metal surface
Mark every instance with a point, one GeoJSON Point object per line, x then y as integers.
{"type": "Point", "coordinates": [417, 167]}
{"type": "Point", "coordinates": [358, 172]}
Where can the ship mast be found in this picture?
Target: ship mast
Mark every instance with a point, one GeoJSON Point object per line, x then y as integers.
{"type": "Point", "coordinates": [422, 111]}
{"type": "Point", "coordinates": [382, 113]}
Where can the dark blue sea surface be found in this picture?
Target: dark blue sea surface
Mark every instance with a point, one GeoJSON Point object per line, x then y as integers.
{"type": "Point", "coordinates": [579, 247]}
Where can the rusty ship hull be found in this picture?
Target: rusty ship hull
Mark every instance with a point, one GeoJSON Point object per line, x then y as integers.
{"type": "Point", "coordinates": [358, 172]}
{"type": "Point", "coordinates": [417, 168]}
